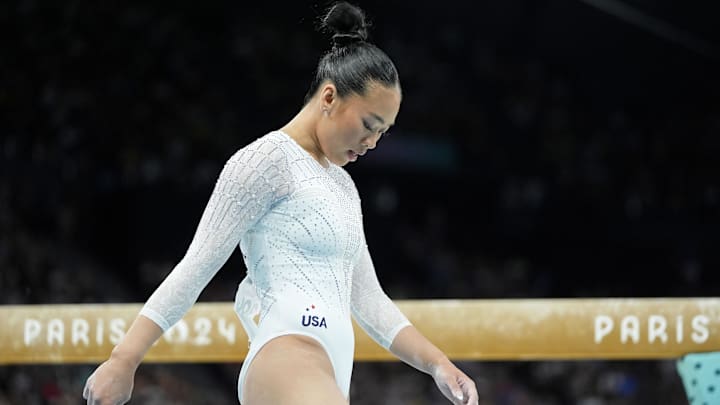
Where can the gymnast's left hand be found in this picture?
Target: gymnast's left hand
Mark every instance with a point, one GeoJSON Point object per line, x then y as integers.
{"type": "Point", "coordinates": [455, 384]}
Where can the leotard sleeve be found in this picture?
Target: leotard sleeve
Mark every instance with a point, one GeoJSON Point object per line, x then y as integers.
{"type": "Point", "coordinates": [371, 307]}
{"type": "Point", "coordinates": [251, 181]}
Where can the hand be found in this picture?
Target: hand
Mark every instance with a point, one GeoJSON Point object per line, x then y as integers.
{"type": "Point", "coordinates": [247, 306]}
{"type": "Point", "coordinates": [455, 385]}
{"type": "Point", "coordinates": [111, 383]}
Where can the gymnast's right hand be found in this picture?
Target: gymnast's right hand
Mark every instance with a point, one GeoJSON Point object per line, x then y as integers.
{"type": "Point", "coordinates": [111, 383]}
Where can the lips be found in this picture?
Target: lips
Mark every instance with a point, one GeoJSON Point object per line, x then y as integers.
{"type": "Point", "coordinates": [353, 155]}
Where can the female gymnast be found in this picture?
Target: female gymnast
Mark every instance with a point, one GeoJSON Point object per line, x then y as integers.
{"type": "Point", "coordinates": [296, 215]}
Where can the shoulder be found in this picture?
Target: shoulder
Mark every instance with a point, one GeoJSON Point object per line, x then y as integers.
{"type": "Point", "coordinates": [267, 150]}
{"type": "Point", "coordinates": [260, 165]}
{"type": "Point", "coordinates": [344, 178]}
{"type": "Point", "coordinates": [343, 174]}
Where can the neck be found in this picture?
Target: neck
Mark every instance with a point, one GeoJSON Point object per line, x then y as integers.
{"type": "Point", "coordinates": [302, 129]}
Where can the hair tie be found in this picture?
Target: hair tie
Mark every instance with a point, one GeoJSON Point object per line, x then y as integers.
{"type": "Point", "coordinates": [341, 40]}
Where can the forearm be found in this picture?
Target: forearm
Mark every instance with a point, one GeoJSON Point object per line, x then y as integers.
{"type": "Point", "coordinates": [416, 350]}
{"type": "Point", "coordinates": [141, 335]}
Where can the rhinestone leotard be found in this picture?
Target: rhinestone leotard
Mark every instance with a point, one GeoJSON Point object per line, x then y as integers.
{"type": "Point", "coordinates": [299, 227]}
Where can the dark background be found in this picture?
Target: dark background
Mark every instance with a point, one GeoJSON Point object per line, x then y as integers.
{"type": "Point", "coordinates": [546, 148]}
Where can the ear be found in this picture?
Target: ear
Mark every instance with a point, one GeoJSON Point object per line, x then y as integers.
{"type": "Point", "coordinates": [328, 97]}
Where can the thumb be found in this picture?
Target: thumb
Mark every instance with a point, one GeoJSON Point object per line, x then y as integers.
{"type": "Point", "coordinates": [88, 382]}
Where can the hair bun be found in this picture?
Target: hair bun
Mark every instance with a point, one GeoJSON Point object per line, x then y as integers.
{"type": "Point", "coordinates": [346, 22]}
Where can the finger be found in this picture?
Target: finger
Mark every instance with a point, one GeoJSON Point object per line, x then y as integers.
{"type": "Point", "coordinates": [474, 399]}
{"type": "Point", "coordinates": [456, 392]}
{"type": "Point", "coordinates": [471, 397]}
{"type": "Point", "coordinates": [471, 394]}
{"type": "Point", "coordinates": [88, 383]}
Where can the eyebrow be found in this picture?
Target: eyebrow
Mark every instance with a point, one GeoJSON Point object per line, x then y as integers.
{"type": "Point", "coordinates": [379, 118]}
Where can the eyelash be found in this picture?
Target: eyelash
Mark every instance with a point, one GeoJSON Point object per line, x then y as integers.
{"type": "Point", "coordinates": [365, 124]}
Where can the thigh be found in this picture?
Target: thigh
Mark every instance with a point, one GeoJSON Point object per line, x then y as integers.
{"type": "Point", "coordinates": [294, 370]}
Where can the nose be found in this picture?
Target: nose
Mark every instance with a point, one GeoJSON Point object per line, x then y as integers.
{"type": "Point", "coordinates": [372, 140]}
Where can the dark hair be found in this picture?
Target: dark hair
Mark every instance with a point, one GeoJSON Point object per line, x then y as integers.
{"type": "Point", "coordinates": [352, 62]}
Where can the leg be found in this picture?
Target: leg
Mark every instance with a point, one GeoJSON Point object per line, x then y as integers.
{"type": "Point", "coordinates": [291, 369]}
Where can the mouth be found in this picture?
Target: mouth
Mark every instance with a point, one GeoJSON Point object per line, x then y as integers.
{"type": "Point", "coordinates": [352, 155]}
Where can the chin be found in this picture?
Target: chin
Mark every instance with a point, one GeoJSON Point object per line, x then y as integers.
{"type": "Point", "coordinates": [339, 162]}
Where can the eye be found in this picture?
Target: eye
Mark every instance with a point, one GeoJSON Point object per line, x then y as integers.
{"type": "Point", "coordinates": [367, 126]}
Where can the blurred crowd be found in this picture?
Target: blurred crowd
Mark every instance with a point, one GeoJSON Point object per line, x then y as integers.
{"type": "Point", "coordinates": [557, 168]}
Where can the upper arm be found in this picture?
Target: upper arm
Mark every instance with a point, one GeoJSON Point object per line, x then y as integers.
{"type": "Point", "coordinates": [251, 181]}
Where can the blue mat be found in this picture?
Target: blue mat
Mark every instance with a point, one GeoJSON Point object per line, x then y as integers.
{"type": "Point", "coordinates": [700, 374]}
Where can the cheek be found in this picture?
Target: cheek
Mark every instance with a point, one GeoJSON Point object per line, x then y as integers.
{"type": "Point", "coordinates": [337, 136]}
{"type": "Point", "coordinates": [331, 138]}
{"type": "Point", "coordinates": [351, 135]}
{"type": "Point", "coordinates": [345, 135]}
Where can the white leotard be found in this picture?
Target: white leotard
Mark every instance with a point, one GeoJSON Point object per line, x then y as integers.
{"type": "Point", "coordinates": [299, 226]}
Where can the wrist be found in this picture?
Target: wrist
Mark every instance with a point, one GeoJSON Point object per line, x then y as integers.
{"type": "Point", "coordinates": [129, 358]}
{"type": "Point", "coordinates": [438, 363]}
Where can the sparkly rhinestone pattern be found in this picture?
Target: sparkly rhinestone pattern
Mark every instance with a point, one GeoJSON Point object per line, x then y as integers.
{"type": "Point", "coordinates": [299, 226]}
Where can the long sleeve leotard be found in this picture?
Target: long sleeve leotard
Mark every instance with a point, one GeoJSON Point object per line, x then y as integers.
{"type": "Point", "coordinates": [299, 227]}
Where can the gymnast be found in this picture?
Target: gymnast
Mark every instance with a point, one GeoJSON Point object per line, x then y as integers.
{"type": "Point", "coordinates": [295, 213]}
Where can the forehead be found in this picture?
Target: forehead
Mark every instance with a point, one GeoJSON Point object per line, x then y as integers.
{"type": "Point", "coordinates": [378, 99]}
